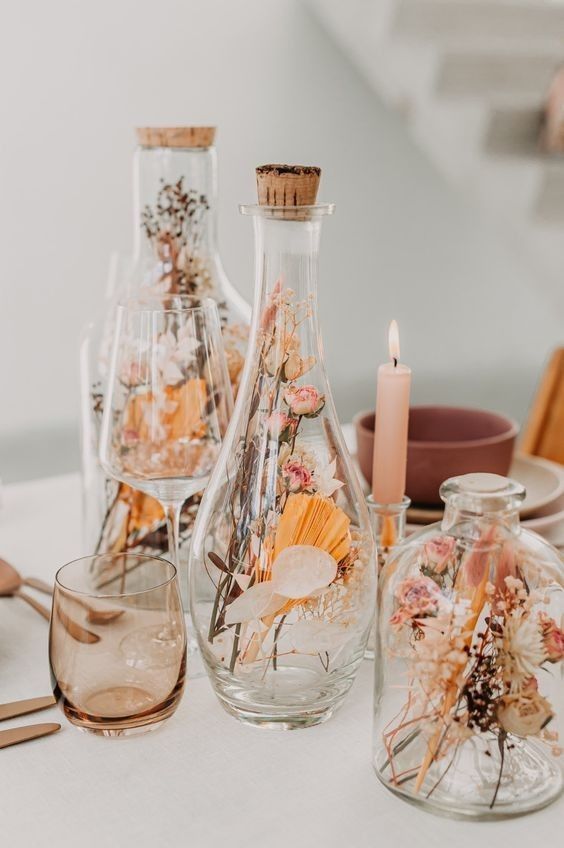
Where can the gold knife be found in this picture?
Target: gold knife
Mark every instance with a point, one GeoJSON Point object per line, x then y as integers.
{"type": "Point", "coordinates": [30, 705]}
{"type": "Point", "coordinates": [23, 734]}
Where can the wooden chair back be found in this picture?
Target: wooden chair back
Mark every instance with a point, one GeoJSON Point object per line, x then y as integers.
{"type": "Point", "coordinates": [544, 430]}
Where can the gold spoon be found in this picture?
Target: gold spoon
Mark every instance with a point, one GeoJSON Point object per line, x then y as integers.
{"type": "Point", "coordinates": [10, 585]}
{"type": "Point", "coordinates": [93, 615]}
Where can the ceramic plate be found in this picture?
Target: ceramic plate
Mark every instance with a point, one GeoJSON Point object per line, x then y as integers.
{"type": "Point", "coordinates": [543, 480]}
{"type": "Point", "coordinates": [549, 522]}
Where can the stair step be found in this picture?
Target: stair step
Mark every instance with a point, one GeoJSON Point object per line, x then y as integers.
{"type": "Point", "coordinates": [549, 207]}
{"type": "Point", "coordinates": [462, 21]}
{"type": "Point", "coordinates": [513, 132]}
{"type": "Point", "coordinates": [495, 75]}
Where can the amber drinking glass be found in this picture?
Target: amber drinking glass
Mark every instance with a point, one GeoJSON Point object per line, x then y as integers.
{"type": "Point", "coordinates": [124, 673]}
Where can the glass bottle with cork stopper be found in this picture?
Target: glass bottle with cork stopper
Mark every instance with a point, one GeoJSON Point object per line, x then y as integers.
{"type": "Point", "coordinates": [283, 577]}
{"type": "Point", "coordinates": [175, 251]}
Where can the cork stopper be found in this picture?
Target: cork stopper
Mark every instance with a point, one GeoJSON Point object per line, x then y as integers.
{"type": "Point", "coordinates": [175, 136]}
{"type": "Point", "coordinates": [287, 185]}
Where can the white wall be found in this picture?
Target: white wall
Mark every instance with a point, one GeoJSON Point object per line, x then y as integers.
{"type": "Point", "coordinates": [77, 77]}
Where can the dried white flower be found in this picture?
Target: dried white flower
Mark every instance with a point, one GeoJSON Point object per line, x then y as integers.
{"type": "Point", "coordinates": [521, 647]}
{"type": "Point", "coordinates": [325, 481]}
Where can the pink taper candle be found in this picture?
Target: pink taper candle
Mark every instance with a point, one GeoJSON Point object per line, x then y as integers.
{"type": "Point", "coordinates": [390, 433]}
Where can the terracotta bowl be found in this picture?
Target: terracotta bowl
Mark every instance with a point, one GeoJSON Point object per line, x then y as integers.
{"type": "Point", "coordinates": [444, 441]}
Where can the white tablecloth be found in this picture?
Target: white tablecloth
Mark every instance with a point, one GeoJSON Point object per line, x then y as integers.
{"type": "Point", "coordinates": [202, 779]}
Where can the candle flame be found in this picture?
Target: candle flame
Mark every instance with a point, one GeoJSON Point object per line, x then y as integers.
{"type": "Point", "coordinates": [393, 341]}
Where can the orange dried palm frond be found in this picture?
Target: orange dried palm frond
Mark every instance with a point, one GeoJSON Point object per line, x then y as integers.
{"type": "Point", "coordinates": [187, 419]}
{"type": "Point", "coordinates": [313, 520]}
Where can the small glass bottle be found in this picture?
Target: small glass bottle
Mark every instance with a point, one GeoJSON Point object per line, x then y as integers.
{"type": "Point", "coordinates": [175, 252]}
{"type": "Point", "coordinates": [469, 697]}
{"type": "Point", "coordinates": [283, 576]}
{"type": "Point", "coordinates": [388, 528]}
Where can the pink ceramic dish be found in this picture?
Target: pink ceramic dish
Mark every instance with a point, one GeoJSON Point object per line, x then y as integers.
{"type": "Point", "coordinates": [444, 441]}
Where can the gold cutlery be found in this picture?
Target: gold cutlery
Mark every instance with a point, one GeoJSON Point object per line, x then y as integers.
{"type": "Point", "coordinates": [23, 734]}
{"type": "Point", "coordinates": [10, 585]}
{"type": "Point", "coordinates": [29, 705]}
{"type": "Point", "coordinates": [93, 615]}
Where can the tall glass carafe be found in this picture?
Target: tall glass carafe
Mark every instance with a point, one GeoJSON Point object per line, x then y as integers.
{"type": "Point", "coordinates": [282, 564]}
{"type": "Point", "coordinates": [175, 252]}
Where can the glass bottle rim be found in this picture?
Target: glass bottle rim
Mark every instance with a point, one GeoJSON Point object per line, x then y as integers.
{"type": "Point", "coordinates": [482, 493]}
{"type": "Point", "coordinates": [177, 148]}
{"type": "Point", "coordinates": [160, 584]}
{"type": "Point", "coordinates": [167, 303]}
{"type": "Point", "coordinates": [288, 213]}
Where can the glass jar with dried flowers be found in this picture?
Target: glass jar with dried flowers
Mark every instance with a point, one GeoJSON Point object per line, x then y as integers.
{"type": "Point", "coordinates": [282, 564]}
{"type": "Point", "coordinates": [175, 253]}
{"type": "Point", "coordinates": [469, 700]}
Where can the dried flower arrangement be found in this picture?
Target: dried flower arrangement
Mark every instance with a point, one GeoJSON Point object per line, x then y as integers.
{"type": "Point", "coordinates": [287, 565]}
{"type": "Point", "coordinates": [476, 650]}
{"type": "Point", "coordinates": [175, 228]}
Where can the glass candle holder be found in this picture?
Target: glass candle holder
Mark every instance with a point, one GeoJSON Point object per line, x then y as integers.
{"type": "Point", "coordinates": [388, 528]}
{"type": "Point", "coordinates": [129, 676]}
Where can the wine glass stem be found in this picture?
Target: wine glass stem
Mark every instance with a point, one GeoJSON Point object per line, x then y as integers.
{"type": "Point", "coordinates": [172, 512]}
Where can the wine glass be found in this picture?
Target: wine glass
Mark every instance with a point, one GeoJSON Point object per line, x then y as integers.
{"type": "Point", "coordinates": [168, 403]}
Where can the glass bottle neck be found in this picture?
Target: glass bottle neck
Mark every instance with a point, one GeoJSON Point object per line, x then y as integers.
{"type": "Point", "coordinates": [470, 524]}
{"type": "Point", "coordinates": [174, 190]}
{"type": "Point", "coordinates": [475, 501]}
{"type": "Point", "coordinates": [287, 260]}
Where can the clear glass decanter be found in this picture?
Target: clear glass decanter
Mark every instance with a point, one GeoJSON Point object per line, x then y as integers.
{"type": "Point", "coordinates": [175, 252]}
{"type": "Point", "coordinates": [282, 565]}
{"type": "Point", "coordinates": [469, 698]}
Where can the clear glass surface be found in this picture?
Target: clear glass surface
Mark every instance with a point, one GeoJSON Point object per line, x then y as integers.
{"type": "Point", "coordinates": [168, 402]}
{"type": "Point", "coordinates": [175, 251]}
{"type": "Point", "coordinates": [469, 697]}
{"type": "Point", "coordinates": [388, 529]}
{"type": "Point", "coordinates": [283, 577]}
{"type": "Point", "coordinates": [128, 676]}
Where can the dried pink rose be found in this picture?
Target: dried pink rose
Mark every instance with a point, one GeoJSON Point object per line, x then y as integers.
{"type": "Point", "coordinates": [438, 552]}
{"type": "Point", "coordinates": [277, 422]}
{"type": "Point", "coordinates": [304, 400]}
{"type": "Point", "coordinates": [417, 597]}
{"type": "Point", "coordinates": [524, 714]}
{"type": "Point", "coordinates": [553, 639]}
{"type": "Point", "coordinates": [129, 436]}
{"type": "Point", "coordinates": [298, 476]}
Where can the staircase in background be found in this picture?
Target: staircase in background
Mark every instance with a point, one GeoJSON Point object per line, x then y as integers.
{"type": "Point", "coordinates": [469, 78]}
